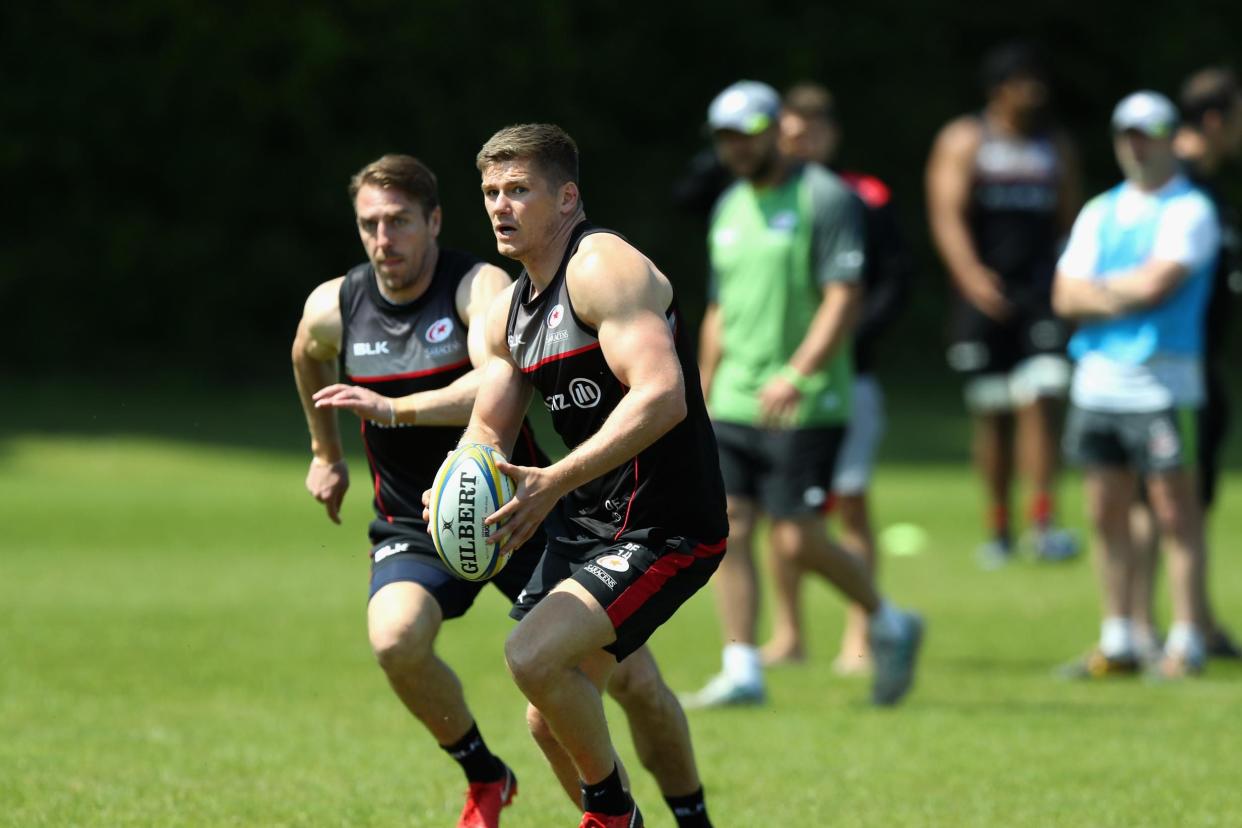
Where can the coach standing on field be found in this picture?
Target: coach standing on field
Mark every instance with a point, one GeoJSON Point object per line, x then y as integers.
{"type": "Point", "coordinates": [1136, 276]}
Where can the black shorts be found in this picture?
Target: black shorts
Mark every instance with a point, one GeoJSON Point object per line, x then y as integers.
{"type": "Point", "coordinates": [1147, 442]}
{"type": "Point", "coordinates": [980, 345]}
{"type": "Point", "coordinates": [405, 552]}
{"type": "Point", "coordinates": [789, 472]}
{"type": "Point", "coordinates": [637, 579]}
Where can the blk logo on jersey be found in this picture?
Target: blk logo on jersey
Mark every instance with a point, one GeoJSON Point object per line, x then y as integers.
{"type": "Point", "coordinates": [440, 330]}
{"type": "Point", "coordinates": [556, 315]}
{"type": "Point", "coordinates": [390, 549]}
{"type": "Point", "coordinates": [370, 348]}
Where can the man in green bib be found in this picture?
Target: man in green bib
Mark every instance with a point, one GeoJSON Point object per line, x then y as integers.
{"type": "Point", "coordinates": [786, 252]}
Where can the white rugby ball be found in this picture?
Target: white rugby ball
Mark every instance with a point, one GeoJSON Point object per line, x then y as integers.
{"type": "Point", "coordinates": [468, 487]}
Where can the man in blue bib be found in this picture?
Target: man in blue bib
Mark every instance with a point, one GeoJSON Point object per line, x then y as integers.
{"type": "Point", "coordinates": [1136, 277]}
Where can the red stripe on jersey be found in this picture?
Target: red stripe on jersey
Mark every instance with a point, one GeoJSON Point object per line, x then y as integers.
{"type": "Point", "coordinates": [654, 579]}
{"type": "Point", "coordinates": [555, 357]}
{"type": "Point", "coordinates": [379, 500]}
{"type": "Point", "coordinates": [629, 505]}
{"type": "Point", "coordinates": [412, 374]}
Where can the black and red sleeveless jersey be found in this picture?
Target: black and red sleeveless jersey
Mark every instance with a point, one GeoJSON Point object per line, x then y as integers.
{"type": "Point", "coordinates": [1013, 210]}
{"type": "Point", "coordinates": [396, 350]}
{"type": "Point", "coordinates": [674, 485]}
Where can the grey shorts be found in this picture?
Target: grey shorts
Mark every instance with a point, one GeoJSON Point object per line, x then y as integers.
{"type": "Point", "coordinates": [856, 461]}
{"type": "Point", "coordinates": [1145, 441]}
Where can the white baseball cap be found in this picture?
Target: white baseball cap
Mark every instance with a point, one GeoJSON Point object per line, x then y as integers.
{"type": "Point", "coordinates": [1148, 112]}
{"type": "Point", "coordinates": [748, 107]}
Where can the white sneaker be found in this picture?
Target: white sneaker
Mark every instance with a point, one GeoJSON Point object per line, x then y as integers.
{"type": "Point", "coordinates": [722, 691]}
{"type": "Point", "coordinates": [895, 656]}
{"type": "Point", "coordinates": [995, 554]}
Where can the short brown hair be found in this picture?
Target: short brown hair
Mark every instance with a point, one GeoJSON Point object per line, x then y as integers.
{"type": "Point", "coordinates": [547, 145]}
{"type": "Point", "coordinates": [1209, 90]}
{"type": "Point", "coordinates": [404, 173]}
{"type": "Point", "coordinates": [810, 100]}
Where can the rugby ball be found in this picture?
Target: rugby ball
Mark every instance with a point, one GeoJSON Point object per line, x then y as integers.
{"type": "Point", "coordinates": [468, 487]}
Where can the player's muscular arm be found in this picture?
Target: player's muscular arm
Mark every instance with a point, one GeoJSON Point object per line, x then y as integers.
{"type": "Point", "coordinates": [451, 404]}
{"type": "Point", "coordinates": [949, 174]}
{"type": "Point", "coordinates": [315, 349]}
{"type": "Point", "coordinates": [503, 392]}
{"type": "Point", "coordinates": [616, 290]}
{"type": "Point", "coordinates": [710, 347]}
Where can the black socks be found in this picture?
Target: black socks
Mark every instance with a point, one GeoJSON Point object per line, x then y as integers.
{"type": "Point", "coordinates": [607, 797]}
{"type": "Point", "coordinates": [690, 810]}
{"type": "Point", "coordinates": [479, 763]}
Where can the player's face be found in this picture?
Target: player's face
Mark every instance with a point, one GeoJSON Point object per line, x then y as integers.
{"type": "Point", "coordinates": [1026, 96]}
{"type": "Point", "coordinates": [523, 204]}
{"type": "Point", "coordinates": [1146, 161]}
{"type": "Point", "coordinates": [747, 156]}
{"type": "Point", "coordinates": [808, 139]}
{"type": "Point", "coordinates": [396, 234]}
{"type": "Point", "coordinates": [1231, 130]}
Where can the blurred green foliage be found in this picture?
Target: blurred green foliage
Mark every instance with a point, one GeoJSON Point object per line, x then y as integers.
{"type": "Point", "coordinates": [175, 172]}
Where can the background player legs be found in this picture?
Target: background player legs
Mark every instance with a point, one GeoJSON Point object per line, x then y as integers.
{"type": "Point", "coordinates": [858, 539]}
{"type": "Point", "coordinates": [1036, 430]}
{"type": "Point", "coordinates": [1179, 518]}
{"type": "Point", "coordinates": [803, 541]}
{"type": "Point", "coordinates": [992, 446]}
{"type": "Point", "coordinates": [735, 583]}
{"type": "Point", "coordinates": [402, 621]}
{"type": "Point", "coordinates": [1110, 491]}
{"type": "Point", "coordinates": [1143, 575]}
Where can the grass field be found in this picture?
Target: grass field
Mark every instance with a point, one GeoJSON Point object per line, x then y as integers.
{"type": "Point", "coordinates": [182, 642]}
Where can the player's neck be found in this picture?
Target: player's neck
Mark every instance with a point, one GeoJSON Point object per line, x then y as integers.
{"type": "Point", "coordinates": [415, 289]}
{"type": "Point", "coordinates": [1004, 121]}
{"type": "Point", "coordinates": [774, 175]}
{"type": "Point", "coordinates": [542, 264]}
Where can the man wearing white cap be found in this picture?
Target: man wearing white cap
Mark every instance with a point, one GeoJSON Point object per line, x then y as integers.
{"type": "Point", "coordinates": [1136, 276]}
{"type": "Point", "coordinates": [786, 254]}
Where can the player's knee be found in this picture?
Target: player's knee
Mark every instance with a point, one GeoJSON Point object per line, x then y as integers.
{"type": "Point", "coordinates": [400, 647]}
{"type": "Point", "coordinates": [741, 519]}
{"type": "Point", "coordinates": [528, 664]}
{"type": "Point", "coordinates": [638, 688]}
{"type": "Point", "coordinates": [538, 726]}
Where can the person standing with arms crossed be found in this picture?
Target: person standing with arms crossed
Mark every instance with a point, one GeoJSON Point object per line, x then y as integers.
{"type": "Point", "coordinates": [1136, 275]}
{"type": "Point", "coordinates": [1002, 190]}
{"type": "Point", "coordinates": [786, 258]}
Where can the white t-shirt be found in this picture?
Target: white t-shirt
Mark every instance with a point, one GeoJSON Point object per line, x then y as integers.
{"type": "Point", "coordinates": [1189, 235]}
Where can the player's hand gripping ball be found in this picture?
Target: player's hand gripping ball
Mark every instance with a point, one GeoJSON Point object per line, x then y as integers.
{"type": "Point", "coordinates": [468, 487]}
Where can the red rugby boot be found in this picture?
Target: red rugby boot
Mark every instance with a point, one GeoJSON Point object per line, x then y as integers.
{"type": "Point", "coordinates": [484, 801]}
{"type": "Point", "coordinates": [633, 819]}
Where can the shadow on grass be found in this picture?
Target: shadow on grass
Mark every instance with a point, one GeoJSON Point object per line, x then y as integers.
{"type": "Point", "coordinates": [927, 424]}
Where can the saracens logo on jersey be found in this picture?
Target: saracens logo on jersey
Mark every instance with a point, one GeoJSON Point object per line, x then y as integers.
{"type": "Point", "coordinates": [556, 315]}
{"type": "Point", "coordinates": [440, 330]}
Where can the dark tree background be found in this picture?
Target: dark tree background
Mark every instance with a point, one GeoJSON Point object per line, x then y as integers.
{"type": "Point", "coordinates": [174, 172]}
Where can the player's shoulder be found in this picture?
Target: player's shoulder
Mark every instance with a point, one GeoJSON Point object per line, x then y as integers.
{"type": "Point", "coordinates": [870, 188]}
{"type": "Point", "coordinates": [601, 253]}
{"type": "Point", "coordinates": [325, 298]}
{"type": "Point", "coordinates": [608, 274]}
{"type": "Point", "coordinates": [961, 135]}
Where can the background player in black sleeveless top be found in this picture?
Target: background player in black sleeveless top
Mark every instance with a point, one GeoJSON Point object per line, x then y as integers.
{"type": "Point", "coordinates": [636, 511]}
{"type": "Point", "coordinates": [1002, 190]}
{"type": "Point", "coordinates": [408, 323]}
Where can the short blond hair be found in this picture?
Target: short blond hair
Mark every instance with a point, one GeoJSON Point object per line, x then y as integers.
{"type": "Point", "coordinates": [547, 145]}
